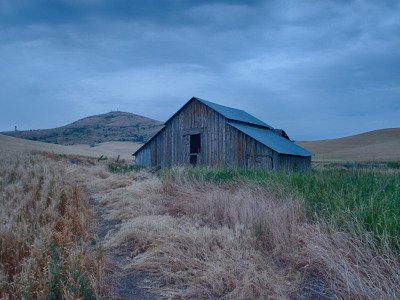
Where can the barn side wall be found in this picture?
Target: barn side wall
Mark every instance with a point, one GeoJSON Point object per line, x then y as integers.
{"type": "Point", "coordinates": [142, 158]}
{"type": "Point", "coordinates": [293, 162]}
{"type": "Point", "coordinates": [245, 152]}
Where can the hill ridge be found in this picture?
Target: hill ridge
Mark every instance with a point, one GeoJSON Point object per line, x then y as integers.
{"type": "Point", "coordinates": [107, 127]}
{"type": "Point", "coordinates": [380, 144]}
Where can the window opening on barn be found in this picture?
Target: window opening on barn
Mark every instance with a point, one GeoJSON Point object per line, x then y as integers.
{"type": "Point", "coordinates": [195, 143]}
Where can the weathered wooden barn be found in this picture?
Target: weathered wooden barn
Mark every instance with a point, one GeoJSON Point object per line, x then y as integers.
{"type": "Point", "coordinates": [206, 133]}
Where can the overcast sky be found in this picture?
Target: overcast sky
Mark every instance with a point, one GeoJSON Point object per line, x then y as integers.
{"type": "Point", "coordinates": [318, 69]}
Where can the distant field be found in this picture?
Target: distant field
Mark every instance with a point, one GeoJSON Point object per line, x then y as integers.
{"type": "Point", "coordinates": [377, 145]}
{"type": "Point", "coordinates": [109, 149]}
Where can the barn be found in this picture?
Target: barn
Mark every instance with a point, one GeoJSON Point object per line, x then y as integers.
{"type": "Point", "coordinates": [208, 134]}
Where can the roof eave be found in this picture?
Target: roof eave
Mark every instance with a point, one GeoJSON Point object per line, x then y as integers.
{"type": "Point", "coordinates": [152, 138]}
{"type": "Point", "coordinates": [165, 124]}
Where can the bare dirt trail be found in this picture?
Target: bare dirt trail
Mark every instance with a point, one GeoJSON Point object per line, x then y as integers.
{"type": "Point", "coordinates": [124, 284]}
{"type": "Point", "coordinates": [120, 282]}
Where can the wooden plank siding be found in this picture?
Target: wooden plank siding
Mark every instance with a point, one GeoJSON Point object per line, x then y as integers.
{"type": "Point", "coordinates": [221, 144]}
{"type": "Point", "coordinates": [293, 162]}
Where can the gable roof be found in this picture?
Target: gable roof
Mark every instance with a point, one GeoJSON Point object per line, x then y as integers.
{"type": "Point", "coordinates": [233, 113]}
{"type": "Point", "coordinates": [270, 139]}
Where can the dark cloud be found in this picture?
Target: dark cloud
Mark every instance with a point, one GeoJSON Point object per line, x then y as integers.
{"type": "Point", "coordinates": [317, 68]}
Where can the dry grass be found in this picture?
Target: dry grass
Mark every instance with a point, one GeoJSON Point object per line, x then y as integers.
{"type": "Point", "coordinates": [46, 247]}
{"type": "Point", "coordinates": [237, 241]}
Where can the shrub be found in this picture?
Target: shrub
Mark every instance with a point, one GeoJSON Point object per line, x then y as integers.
{"type": "Point", "coordinates": [120, 168]}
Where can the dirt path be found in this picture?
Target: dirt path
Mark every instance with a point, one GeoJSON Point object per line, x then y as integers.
{"type": "Point", "coordinates": [120, 282]}
{"type": "Point", "coordinates": [125, 284]}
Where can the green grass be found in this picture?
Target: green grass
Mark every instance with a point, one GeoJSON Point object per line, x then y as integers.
{"type": "Point", "coordinates": [73, 278]}
{"type": "Point", "coordinates": [365, 201]}
{"type": "Point", "coordinates": [119, 168]}
{"type": "Point", "coordinates": [372, 165]}
{"type": "Point", "coordinates": [393, 164]}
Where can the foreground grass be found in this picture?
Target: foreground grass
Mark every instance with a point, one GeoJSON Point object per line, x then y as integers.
{"type": "Point", "coordinates": [211, 234]}
{"type": "Point", "coordinates": [46, 248]}
{"type": "Point", "coordinates": [361, 201]}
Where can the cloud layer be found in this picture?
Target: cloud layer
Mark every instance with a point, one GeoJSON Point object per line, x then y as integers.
{"type": "Point", "coordinates": [319, 69]}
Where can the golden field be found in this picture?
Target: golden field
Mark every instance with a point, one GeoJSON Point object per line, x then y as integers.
{"type": "Point", "coordinates": [46, 242]}
{"type": "Point", "coordinates": [109, 149]}
{"type": "Point", "coordinates": [378, 145]}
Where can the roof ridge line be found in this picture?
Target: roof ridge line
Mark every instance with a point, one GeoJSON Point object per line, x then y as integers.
{"type": "Point", "coordinates": [251, 124]}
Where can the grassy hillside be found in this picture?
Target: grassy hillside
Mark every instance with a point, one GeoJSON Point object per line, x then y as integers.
{"type": "Point", "coordinates": [377, 145]}
{"type": "Point", "coordinates": [112, 126]}
{"type": "Point", "coordinates": [109, 149]}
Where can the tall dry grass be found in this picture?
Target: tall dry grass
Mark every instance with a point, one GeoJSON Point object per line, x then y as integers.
{"type": "Point", "coordinates": [46, 246]}
{"type": "Point", "coordinates": [368, 198]}
{"type": "Point", "coordinates": [207, 240]}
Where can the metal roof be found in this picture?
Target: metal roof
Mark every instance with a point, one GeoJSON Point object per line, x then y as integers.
{"type": "Point", "coordinates": [271, 140]}
{"type": "Point", "coordinates": [233, 113]}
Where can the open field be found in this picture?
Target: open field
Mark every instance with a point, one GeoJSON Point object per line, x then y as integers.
{"type": "Point", "coordinates": [378, 145]}
{"type": "Point", "coordinates": [194, 232]}
{"type": "Point", "coordinates": [231, 234]}
{"type": "Point", "coordinates": [109, 149]}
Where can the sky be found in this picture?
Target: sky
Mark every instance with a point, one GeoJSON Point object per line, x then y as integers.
{"type": "Point", "coordinates": [318, 69]}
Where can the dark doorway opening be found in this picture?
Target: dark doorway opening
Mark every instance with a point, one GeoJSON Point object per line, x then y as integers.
{"type": "Point", "coordinates": [195, 148]}
{"type": "Point", "coordinates": [195, 143]}
{"type": "Point", "coordinates": [193, 159]}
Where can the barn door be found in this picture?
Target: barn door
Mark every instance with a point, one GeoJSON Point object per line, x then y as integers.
{"type": "Point", "coordinates": [194, 148]}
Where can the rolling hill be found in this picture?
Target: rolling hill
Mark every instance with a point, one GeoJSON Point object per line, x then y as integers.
{"type": "Point", "coordinates": [377, 145]}
{"type": "Point", "coordinates": [109, 149]}
{"type": "Point", "coordinates": [112, 126]}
